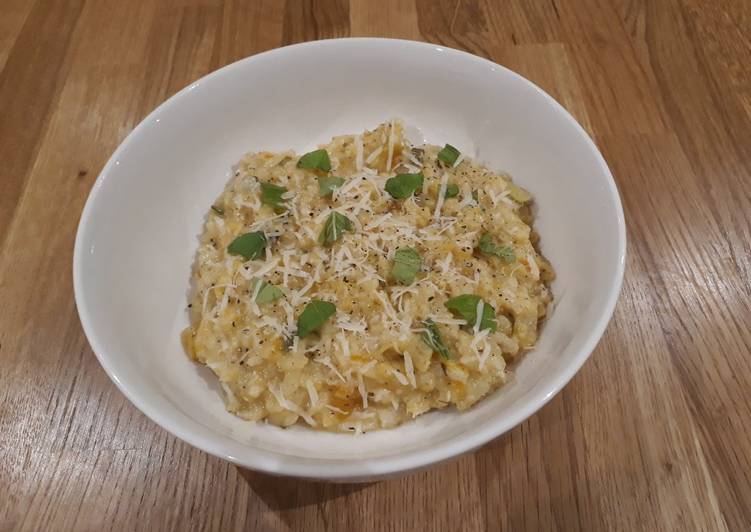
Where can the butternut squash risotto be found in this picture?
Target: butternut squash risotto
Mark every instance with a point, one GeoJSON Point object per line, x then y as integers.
{"type": "Point", "coordinates": [365, 283]}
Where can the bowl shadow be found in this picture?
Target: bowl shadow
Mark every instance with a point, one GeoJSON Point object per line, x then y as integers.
{"type": "Point", "coordinates": [285, 493]}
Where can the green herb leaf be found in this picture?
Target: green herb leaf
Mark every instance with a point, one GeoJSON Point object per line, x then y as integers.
{"type": "Point", "coordinates": [448, 155]}
{"type": "Point", "coordinates": [518, 194]}
{"type": "Point", "coordinates": [217, 210]}
{"type": "Point", "coordinates": [272, 195]}
{"type": "Point", "coordinates": [452, 190]}
{"type": "Point", "coordinates": [476, 196]}
{"type": "Point", "coordinates": [404, 185]}
{"type": "Point", "coordinates": [335, 225]}
{"type": "Point", "coordinates": [315, 160]}
{"type": "Point", "coordinates": [407, 263]}
{"type": "Point", "coordinates": [313, 316]}
{"type": "Point", "coordinates": [268, 292]}
{"type": "Point", "coordinates": [250, 245]}
{"type": "Point", "coordinates": [327, 184]}
{"type": "Point", "coordinates": [489, 247]}
{"type": "Point", "coordinates": [432, 337]}
{"type": "Point", "coordinates": [465, 307]}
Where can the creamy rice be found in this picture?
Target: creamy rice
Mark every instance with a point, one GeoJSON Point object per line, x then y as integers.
{"type": "Point", "coordinates": [392, 349]}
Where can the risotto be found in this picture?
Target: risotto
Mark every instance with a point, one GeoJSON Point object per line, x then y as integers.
{"type": "Point", "coordinates": [362, 284]}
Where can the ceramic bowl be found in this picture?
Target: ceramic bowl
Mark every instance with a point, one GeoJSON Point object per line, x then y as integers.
{"type": "Point", "coordinates": [138, 235]}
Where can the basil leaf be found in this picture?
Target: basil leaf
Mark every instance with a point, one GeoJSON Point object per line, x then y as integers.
{"type": "Point", "coordinates": [217, 210]}
{"type": "Point", "coordinates": [404, 185]}
{"type": "Point", "coordinates": [448, 155]}
{"type": "Point", "coordinates": [315, 160]}
{"type": "Point", "coordinates": [272, 195]}
{"type": "Point", "coordinates": [327, 184]}
{"type": "Point", "coordinates": [489, 247]}
{"type": "Point", "coordinates": [452, 190]}
{"type": "Point", "coordinates": [335, 225]}
{"type": "Point", "coordinates": [250, 245]}
{"type": "Point", "coordinates": [432, 337]}
{"type": "Point", "coordinates": [268, 292]}
{"type": "Point", "coordinates": [465, 307]}
{"type": "Point", "coordinates": [407, 263]}
{"type": "Point", "coordinates": [313, 316]}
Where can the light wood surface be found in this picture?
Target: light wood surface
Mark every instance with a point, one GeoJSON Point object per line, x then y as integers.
{"type": "Point", "coordinates": [654, 433]}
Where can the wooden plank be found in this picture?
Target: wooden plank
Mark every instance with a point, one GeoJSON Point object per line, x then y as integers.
{"type": "Point", "coordinates": [550, 67]}
{"type": "Point", "coordinates": [11, 24]}
{"type": "Point", "coordinates": [460, 24]}
{"type": "Point", "coordinates": [29, 83]}
{"type": "Point", "coordinates": [308, 20]}
{"type": "Point", "coordinates": [247, 28]}
{"type": "Point", "coordinates": [396, 19]}
{"type": "Point", "coordinates": [653, 434]}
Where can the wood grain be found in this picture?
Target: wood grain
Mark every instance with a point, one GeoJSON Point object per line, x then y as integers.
{"type": "Point", "coordinates": [654, 433]}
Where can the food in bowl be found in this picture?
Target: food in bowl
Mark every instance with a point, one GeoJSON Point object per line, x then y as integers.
{"type": "Point", "coordinates": [365, 283]}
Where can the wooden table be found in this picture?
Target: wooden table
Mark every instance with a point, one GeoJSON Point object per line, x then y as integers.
{"type": "Point", "coordinates": [654, 433]}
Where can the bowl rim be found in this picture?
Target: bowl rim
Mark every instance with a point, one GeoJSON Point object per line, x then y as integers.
{"type": "Point", "coordinates": [349, 469]}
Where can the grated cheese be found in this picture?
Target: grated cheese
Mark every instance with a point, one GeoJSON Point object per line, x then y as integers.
{"type": "Point", "coordinates": [448, 321]}
{"type": "Point", "coordinates": [260, 223]}
{"type": "Point", "coordinates": [290, 312]}
{"type": "Point", "coordinates": [478, 320]}
{"type": "Point", "coordinates": [409, 369]}
{"type": "Point", "coordinates": [441, 195]}
{"type": "Point", "coordinates": [378, 221]}
{"type": "Point", "coordinates": [412, 159]}
{"type": "Point", "coordinates": [345, 323]}
{"type": "Point", "coordinates": [312, 393]}
{"type": "Point", "coordinates": [373, 156]}
{"type": "Point", "coordinates": [335, 409]}
{"type": "Point", "coordinates": [390, 156]}
{"type": "Point", "coordinates": [533, 268]}
{"type": "Point", "coordinates": [254, 295]}
{"type": "Point", "coordinates": [362, 390]}
{"type": "Point", "coordinates": [326, 361]}
{"type": "Point", "coordinates": [209, 289]}
{"type": "Point", "coordinates": [401, 378]}
{"type": "Point", "coordinates": [344, 343]}
{"type": "Point", "coordinates": [289, 405]}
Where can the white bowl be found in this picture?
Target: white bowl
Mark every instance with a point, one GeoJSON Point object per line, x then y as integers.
{"type": "Point", "coordinates": [138, 234]}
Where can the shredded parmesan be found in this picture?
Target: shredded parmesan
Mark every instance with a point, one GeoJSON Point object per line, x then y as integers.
{"type": "Point", "coordinates": [206, 294]}
{"type": "Point", "coordinates": [390, 156]}
{"type": "Point", "coordinates": [362, 390]}
{"type": "Point", "coordinates": [345, 323]}
{"type": "Point", "coordinates": [335, 409]}
{"type": "Point", "coordinates": [448, 321]}
{"type": "Point", "coordinates": [378, 221]}
{"type": "Point", "coordinates": [254, 295]}
{"type": "Point", "coordinates": [478, 319]}
{"type": "Point", "coordinates": [401, 378]}
{"type": "Point", "coordinates": [411, 158]}
{"type": "Point", "coordinates": [265, 221]}
{"type": "Point", "coordinates": [374, 155]}
{"type": "Point", "coordinates": [289, 405]}
{"type": "Point", "coordinates": [533, 268]}
{"type": "Point", "coordinates": [344, 343]}
{"type": "Point", "coordinates": [441, 195]}
{"type": "Point", "coordinates": [326, 361]}
{"type": "Point", "coordinates": [409, 368]}
{"type": "Point", "coordinates": [312, 393]}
